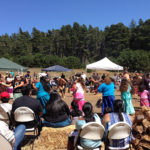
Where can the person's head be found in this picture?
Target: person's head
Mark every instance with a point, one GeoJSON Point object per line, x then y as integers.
{"type": "Point", "coordinates": [74, 105]}
{"type": "Point", "coordinates": [5, 97]}
{"type": "Point", "coordinates": [118, 108]}
{"type": "Point", "coordinates": [44, 83]}
{"type": "Point", "coordinates": [28, 72]}
{"type": "Point", "coordinates": [81, 81]}
{"type": "Point", "coordinates": [10, 75]}
{"type": "Point", "coordinates": [142, 87]}
{"type": "Point", "coordinates": [88, 112]}
{"type": "Point", "coordinates": [54, 97]}
{"type": "Point", "coordinates": [62, 76]}
{"type": "Point", "coordinates": [55, 104]}
{"type": "Point", "coordinates": [107, 80]}
{"type": "Point", "coordinates": [26, 90]}
{"type": "Point", "coordinates": [148, 75]}
{"type": "Point", "coordinates": [17, 78]}
{"type": "Point", "coordinates": [124, 85]}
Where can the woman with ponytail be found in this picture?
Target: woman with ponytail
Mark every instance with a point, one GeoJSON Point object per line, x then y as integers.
{"type": "Point", "coordinates": [117, 116]}
{"type": "Point", "coordinates": [89, 116]}
{"type": "Point", "coordinates": [43, 90]}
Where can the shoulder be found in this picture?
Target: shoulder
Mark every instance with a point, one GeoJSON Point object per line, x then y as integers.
{"type": "Point", "coordinates": [97, 118]}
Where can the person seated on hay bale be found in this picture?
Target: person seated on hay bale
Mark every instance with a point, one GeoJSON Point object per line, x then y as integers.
{"type": "Point", "coordinates": [113, 117]}
{"type": "Point", "coordinates": [57, 112]}
{"type": "Point", "coordinates": [89, 116]}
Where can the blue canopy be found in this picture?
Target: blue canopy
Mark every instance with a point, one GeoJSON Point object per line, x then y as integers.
{"type": "Point", "coordinates": [57, 68]}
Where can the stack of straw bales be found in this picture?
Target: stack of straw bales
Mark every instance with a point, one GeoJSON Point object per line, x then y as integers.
{"type": "Point", "coordinates": [141, 129]}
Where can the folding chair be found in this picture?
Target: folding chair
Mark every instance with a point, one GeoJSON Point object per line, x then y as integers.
{"type": "Point", "coordinates": [25, 115]}
{"type": "Point", "coordinates": [91, 131]}
{"type": "Point", "coordinates": [118, 131]}
{"type": "Point", "coordinates": [4, 143]}
{"type": "Point", "coordinates": [4, 115]}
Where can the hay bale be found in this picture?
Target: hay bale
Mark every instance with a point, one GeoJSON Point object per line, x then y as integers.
{"type": "Point", "coordinates": [141, 129]}
{"type": "Point", "coordinates": [148, 115]}
{"type": "Point", "coordinates": [139, 148]}
{"type": "Point", "coordinates": [138, 129]}
{"type": "Point", "coordinates": [53, 138]}
{"type": "Point", "coordinates": [146, 123]}
{"type": "Point", "coordinates": [146, 138]}
{"type": "Point", "coordinates": [145, 109]}
{"type": "Point", "coordinates": [145, 145]}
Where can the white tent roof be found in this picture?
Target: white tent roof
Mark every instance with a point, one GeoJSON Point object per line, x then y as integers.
{"type": "Point", "coordinates": [104, 64]}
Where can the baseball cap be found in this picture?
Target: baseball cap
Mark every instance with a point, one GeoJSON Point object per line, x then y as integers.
{"type": "Point", "coordinates": [5, 95]}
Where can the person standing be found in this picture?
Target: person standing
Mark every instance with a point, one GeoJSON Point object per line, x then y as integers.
{"type": "Point", "coordinates": [43, 90]}
{"type": "Point", "coordinates": [17, 85]}
{"type": "Point", "coordinates": [143, 94]}
{"type": "Point", "coordinates": [108, 90]}
{"type": "Point", "coordinates": [126, 96]}
{"type": "Point", "coordinates": [62, 85]}
{"type": "Point", "coordinates": [78, 92]}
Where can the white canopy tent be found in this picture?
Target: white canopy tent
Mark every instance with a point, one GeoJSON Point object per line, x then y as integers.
{"type": "Point", "coordinates": [104, 64]}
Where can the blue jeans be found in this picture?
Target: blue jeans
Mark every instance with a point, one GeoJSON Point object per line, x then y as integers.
{"type": "Point", "coordinates": [57, 124]}
{"type": "Point", "coordinates": [19, 135]}
{"type": "Point", "coordinates": [107, 102]}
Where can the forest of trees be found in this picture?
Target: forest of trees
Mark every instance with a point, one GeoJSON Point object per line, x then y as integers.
{"type": "Point", "coordinates": [77, 45]}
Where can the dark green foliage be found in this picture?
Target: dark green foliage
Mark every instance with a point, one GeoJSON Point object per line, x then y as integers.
{"type": "Point", "coordinates": [138, 60]}
{"type": "Point", "coordinates": [72, 62]}
{"type": "Point", "coordinates": [77, 45]}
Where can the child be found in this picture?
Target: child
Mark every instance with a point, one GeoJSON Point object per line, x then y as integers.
{"type": "Point", "coordinates": [78, 92]}
{"type": "Point", "coordinates": [143, 94]}
{"type": "Point", "coordinates": [126, 96]}
{"type": "Point", "coordinates": [75, 112]}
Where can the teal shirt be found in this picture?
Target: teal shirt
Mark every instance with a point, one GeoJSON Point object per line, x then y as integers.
{"type": "Point", "coordinates": [85, 142]}
{"type": "Point", "coordinates": [41, 92]}
{"type": "Point", "coordinates": [107, 90]}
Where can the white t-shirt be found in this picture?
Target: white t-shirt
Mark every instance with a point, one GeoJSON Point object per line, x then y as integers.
{"type": "Point", "coordinates": [83, 76]}
{"type": "Point", "coordinates": [4, 130]}
{"type": "Point", "coordinates": [7, 107]}
{"type": "Point", "coordinates": [79, 88]}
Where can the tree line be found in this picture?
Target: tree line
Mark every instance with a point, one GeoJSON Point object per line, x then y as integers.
{"type": "Point", "coordinates": [77, 45]}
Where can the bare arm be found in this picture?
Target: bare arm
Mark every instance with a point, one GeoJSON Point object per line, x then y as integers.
{"type": "Point", "coordinates": [33, 84]}
{"type": "Point", "coordinates": [20, 85]}
{"type": "Point", "coordinates": [106, 119]}
{"type": "Point", "coordinates": [7, 85]}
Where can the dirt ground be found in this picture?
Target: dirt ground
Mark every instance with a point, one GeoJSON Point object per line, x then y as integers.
{"type": "Point", "coordinates": [92, 98]}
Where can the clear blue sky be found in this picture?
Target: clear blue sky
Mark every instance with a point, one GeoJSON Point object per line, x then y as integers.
{"type": "Point", "coordinates": [52, 14]}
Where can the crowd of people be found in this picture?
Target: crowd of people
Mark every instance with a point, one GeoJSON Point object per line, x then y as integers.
{"type": "Point", "coordinates": [52, 111]}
